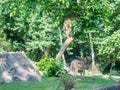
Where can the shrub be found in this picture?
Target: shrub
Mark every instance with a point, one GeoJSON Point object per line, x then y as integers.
{"type": "Point", "coordinates": [50, 67]}
{"type": "Point", "coordinates": [67, 81]}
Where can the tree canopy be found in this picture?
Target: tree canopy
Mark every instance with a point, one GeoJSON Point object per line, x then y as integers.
{"type": "Point", "coordinates": [35, 26]}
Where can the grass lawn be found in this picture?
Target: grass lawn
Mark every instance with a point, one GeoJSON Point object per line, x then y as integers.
{"type": "Point", "coordinates": [53, 84]}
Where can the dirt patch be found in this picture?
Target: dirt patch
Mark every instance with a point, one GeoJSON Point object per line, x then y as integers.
{"type": "Point", "coordinates": [15, 66]}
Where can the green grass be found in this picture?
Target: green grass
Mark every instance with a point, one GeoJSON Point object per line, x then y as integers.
{"type": "Point", "coordinates": [93, 82]}
{"type": "Point", "coordinates": [53, 84]}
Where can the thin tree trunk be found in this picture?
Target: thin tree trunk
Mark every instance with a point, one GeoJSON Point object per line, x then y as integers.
{"type": "Point", "coordinates": [94, 67]}
{"type": "Point", "coordinates": [92, 49]}
{"type": "Point", "coordinates": [63, 48]}
{"type": "Point", "coordinates": [61, 42]}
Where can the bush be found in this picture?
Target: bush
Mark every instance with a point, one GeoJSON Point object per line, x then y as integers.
{"type": "Point", "coordinates": [67, 81]}
{"type": "Point", "coordinates": [50, 67]}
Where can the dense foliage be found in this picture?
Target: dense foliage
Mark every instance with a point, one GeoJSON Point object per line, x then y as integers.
{"type": "Point", "coordinates": [108, 46]}
{"type": "Point", "coordinates": [50, 67]}
{"type": "Point", "coordinates": [35, 26]}
{"type": "Point", "coordinates": [5, 45]}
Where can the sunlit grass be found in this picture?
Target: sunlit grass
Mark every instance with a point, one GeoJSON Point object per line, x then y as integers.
{"type": "Point", "coordinates": [93, 82]}
{"type": "Point", "coordinates": [53, 83]}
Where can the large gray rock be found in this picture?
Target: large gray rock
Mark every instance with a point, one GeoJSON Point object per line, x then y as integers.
{"type": "Point", "coordinates": [15, 66]}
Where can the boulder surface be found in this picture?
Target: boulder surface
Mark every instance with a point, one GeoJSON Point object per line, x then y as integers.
{"type": "Point", "coordinates": [15, 66]}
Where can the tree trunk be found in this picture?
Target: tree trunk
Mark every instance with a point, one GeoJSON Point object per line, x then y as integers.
{"type": "Point", "coordinates": [94, 67]}
{"type": "Point", "coordinates": [63, 48]}
{"type": "Point", "coordinates": [61, 42]}
{"type": "Point", "coordinates": [67, 25]}
{"type": "Point", "coordinates": [92, 49]}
